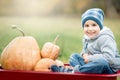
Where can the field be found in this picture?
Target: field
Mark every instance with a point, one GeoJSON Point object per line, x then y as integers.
{"type": "Point", "coordinates": [45, 29]}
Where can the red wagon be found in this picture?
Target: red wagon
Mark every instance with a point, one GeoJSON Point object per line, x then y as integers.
{"type": "Point", "coordinates": [38, 75]}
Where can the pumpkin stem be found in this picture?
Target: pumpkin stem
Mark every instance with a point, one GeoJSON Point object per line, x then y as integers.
{"type": "Point", "coordinates": [55, 39]}
{"type": "Point", "coordinates": [16, 27]}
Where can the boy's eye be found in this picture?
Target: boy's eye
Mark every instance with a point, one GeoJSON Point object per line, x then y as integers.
{"type": "Point", "coordinates": [86, 25]}
{"type": "Point", "coordinates": [93, 24]}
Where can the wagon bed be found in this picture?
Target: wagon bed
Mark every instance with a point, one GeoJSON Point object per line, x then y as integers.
{"type": "Point", "coordinates": [39, 75]}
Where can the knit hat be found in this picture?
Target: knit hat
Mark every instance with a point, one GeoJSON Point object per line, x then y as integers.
{"type": "Point", "coordinates": [94, 14]}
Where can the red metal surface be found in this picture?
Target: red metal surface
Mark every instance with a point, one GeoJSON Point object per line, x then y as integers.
{"type": "Point", "coordinates": [37, 75]}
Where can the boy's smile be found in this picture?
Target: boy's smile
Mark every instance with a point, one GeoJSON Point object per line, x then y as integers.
{"type": "Point", "coordinates": [91, 29]}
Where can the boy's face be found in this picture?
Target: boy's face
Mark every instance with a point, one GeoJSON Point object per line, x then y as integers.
{"type": "Point", "coordinates": [91, 29]}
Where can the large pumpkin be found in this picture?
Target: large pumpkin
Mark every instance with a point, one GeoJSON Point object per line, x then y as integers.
{"type": "Point", "coordinates": [0, 61]}
{"type": "Point", "coordinates": [22, 53]}
{"type": "Point", "coordinates": [44, 64]}
{"type": "Point", "coordinates": [50, 50]}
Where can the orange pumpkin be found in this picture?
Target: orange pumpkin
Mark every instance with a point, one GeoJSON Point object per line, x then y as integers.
{"type": "Point", "coordinates": [59, 62]}
{"type": "Point", "coordinates": [50, 50]}
{"type": "Point", "coordinates": [0, 60]}
{"type": "Point", "coordinates": [44, 64]}
{"type": "Point", "coordinates": [22, 53]}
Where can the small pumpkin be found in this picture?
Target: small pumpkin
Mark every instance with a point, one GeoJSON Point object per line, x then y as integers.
{"type": "Point", "coordinates": [44, 64]}
{"type": "Point", "coordinates": [50, 50]}
{"type": "Point", "coordinates": [59, 62]}
{"type": "Point", "coordinates": [22, 53]}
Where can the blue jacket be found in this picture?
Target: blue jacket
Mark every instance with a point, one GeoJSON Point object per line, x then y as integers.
{"type": "Point", "coordinates": [103, 46]}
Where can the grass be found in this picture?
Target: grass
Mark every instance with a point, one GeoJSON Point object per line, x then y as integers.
{"type": "Point", "coordinates": [45, 29]}
{"type": "Point", "coordinates": [118, 78]}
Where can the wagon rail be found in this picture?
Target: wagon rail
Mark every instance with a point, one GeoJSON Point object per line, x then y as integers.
{"type": "Point", "coordinates": [38, 75]}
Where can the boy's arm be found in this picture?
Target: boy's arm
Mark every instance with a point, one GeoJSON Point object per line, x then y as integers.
{"type": "Point", "coordinates": [107, 47]}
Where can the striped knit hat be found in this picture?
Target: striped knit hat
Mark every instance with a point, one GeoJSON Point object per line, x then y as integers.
{"type": "Point", "coordinates": [94, 14]}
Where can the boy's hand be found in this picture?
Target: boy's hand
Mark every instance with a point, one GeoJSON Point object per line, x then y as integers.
{"type": "Point", "coordinates": [84, 55]}
{"type": "Point", "coordinates": [85, 58]}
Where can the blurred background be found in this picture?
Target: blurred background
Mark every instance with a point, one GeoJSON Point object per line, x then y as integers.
{"type": "Point", "coordinates": [28, 8]}
{"type": "Point", "coordinates": [45, 19]}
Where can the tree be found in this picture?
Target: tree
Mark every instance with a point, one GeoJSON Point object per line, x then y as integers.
{"type": "Point", "coordinates": [111, 9]}
{"type": "Point", "coordinates": [116, 4]}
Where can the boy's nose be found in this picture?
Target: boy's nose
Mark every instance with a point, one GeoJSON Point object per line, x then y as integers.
{"type": "Point", "coordinates": [90, 28]}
